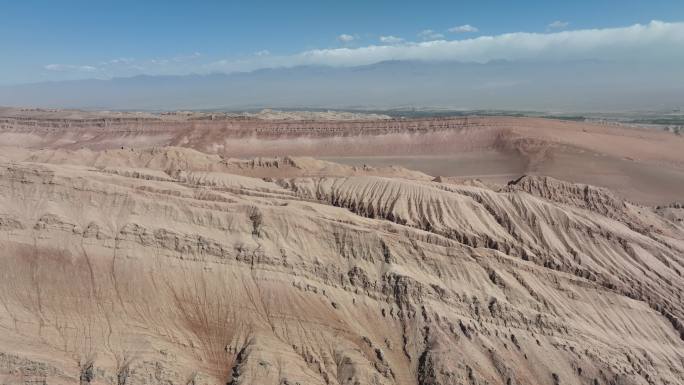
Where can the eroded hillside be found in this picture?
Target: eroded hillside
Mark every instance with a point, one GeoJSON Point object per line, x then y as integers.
{"type": "Point", "coordinates": [172, 266]}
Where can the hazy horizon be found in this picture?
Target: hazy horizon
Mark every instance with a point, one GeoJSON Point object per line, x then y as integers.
{"type": "Point", "coordinates": [589, 86]}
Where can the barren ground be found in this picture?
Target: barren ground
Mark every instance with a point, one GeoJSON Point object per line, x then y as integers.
{"type": "Point", "coordinates": [642, 165]}
{"type": "Point", "coordinates": [148, 250]}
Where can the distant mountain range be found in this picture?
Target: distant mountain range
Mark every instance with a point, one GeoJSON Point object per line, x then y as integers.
{"type": "Point", "coordinates": [559, 86]}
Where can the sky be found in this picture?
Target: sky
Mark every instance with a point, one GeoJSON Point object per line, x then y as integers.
{"type": "Point", "coordinates": [65, 40]}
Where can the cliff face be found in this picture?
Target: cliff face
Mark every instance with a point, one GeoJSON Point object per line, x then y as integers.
{"type": "Point", "coordinates": [171, 266]}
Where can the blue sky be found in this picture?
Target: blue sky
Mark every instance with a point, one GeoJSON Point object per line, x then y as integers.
{"type": "Point", "coordinates": [58, 40]}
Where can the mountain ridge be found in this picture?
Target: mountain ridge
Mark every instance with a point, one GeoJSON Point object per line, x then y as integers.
{"type": "Point", "coordinates": [588, 85]}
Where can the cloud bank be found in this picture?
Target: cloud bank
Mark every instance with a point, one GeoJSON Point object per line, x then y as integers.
{"type": "Point", "coordinates": [655, 41]}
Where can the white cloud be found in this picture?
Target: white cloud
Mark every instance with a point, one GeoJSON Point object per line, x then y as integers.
{"type": "Point", "coordinates": [429, 34]}
{"type": "Point", "coordinates": [465, 28]}
{"type": "Point", "coordinates": [117, 61]}
{"type": "Point", "coordinates": [391, 39]}
{"type": "Point", "coordinates": [558, 24]}
{"type": "Point", "coordinates": [345, 38]}
{"type": "Point", "coordinates": [70, 68]}
{"type": "Point", "coordinates": [161, 62]}
{"type": "Point", "coordinates": [175, 59]}
{"type": "Point", "coordinates": [653, 41]}
{"type": "Point", "coordinates": [263, 52]}
{"type": "Point", "coordinates": [125, 66]}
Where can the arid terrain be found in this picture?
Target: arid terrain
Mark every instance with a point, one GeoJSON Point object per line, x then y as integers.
{"type": "Point", "coordinates": [645, 166]}
{"type": "Point", "coordinates": [338, 249]}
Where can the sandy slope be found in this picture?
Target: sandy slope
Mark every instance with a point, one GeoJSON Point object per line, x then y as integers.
{"type": "Point", "coordinates": [174, 266]}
